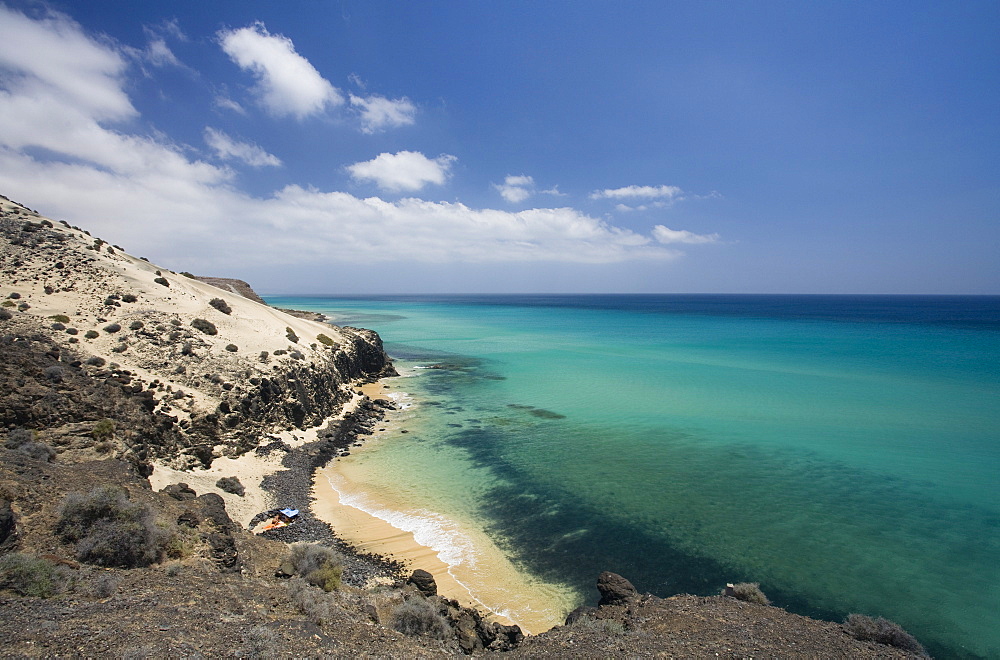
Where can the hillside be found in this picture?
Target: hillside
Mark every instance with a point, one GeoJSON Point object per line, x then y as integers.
{"type": "Point", "coordinates": [151, 422]}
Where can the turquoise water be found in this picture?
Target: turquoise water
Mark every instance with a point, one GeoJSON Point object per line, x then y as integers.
{"type": "Point", "coordinates": [841, 451]}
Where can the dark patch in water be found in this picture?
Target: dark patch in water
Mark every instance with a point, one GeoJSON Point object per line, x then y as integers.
{"type": "Point", "coordinates": [537, 412]}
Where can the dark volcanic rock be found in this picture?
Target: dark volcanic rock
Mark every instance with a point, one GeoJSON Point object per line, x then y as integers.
{"type": "Point", "coordinates": [180, 492]}
{"type": "Point", "coordinates": [614, 589]}
{"type": "Point", "coordinates": [423, 581]}
{"type": "Point", "coordinates": [8, 527]}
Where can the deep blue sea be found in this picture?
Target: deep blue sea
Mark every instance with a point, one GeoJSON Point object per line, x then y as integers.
{"type": "Point", "coordinates": [842, 451]}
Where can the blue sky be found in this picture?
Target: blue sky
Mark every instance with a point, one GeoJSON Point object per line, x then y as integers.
{"type": "Point", "coordinates": [399, 147]}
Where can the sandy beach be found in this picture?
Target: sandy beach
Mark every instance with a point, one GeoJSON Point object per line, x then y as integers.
{"type": "Point", "coordinates": [467, 565]}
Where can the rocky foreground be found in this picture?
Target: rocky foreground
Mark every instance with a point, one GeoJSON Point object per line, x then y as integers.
{"type": "Point", "coordinates": [116, 373]}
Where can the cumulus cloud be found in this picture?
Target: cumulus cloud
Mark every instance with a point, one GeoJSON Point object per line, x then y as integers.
{"type": "Point", "coordinates": [516, 189]}
{"type": "Point", "coordinates": [379, 113]}
{"type": "Point", "coordinates": [226, 148]}
{"type": "Point", "coordinates": [667, 236]}
{"type": "Point", "coordinates": [58, 152]}
{"type": "Point", "coordinates": [287, 84]}
{"type": "Point", "coordinates": [638, 192]}
{"type": "Point", "coordinates": [405, 171]}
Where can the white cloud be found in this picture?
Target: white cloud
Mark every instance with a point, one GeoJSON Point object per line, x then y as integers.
{"type": "Point", "coordinates": [287, 84]}
{"type": "Point", "coordinates": [641, 192]}
{"type": "Point", "coordinates": [667, 236]}
{"type": "Point", "coordinates": [146, 193]}
{"type": "Point", "coordinates": [227, 148]}
{"type": "Point", "coordinates": [158, 53]}
{"type": "Point", "coordinates": [227, 103]}
{"type": "Point", "coordinates": [52, 57]}
{"type": "Point", "coordinates": [516, 189]}
{"type": "Point", "coordinates": [379, 113]}
{"type": "Point", "coordinates": [405, 171]}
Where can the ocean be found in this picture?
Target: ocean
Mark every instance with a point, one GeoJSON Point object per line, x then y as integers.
{"type": "Point", "coordinates": [842, 451]}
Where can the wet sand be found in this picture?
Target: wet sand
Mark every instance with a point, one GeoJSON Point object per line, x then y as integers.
{"type": "Point", "coordinates": [464, 561]}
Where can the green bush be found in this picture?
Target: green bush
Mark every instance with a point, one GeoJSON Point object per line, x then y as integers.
{"type": "Point", "coordinates": [129, 297]}
{"type": "Point", "coordinates": [103, 430]}
{"type": "Point", "coordinates": [112, 328]}
{"type": "Point", "coordinates": [60, 318]}
{"type": "Point", "coordinates": [328, 577]}
{"type": "Point", "coordinates": [418, 617]}
{"type": "Point", "coordinates": [28, 575]}
{"type": "Point", "coordinates": [109, 529]}
{"type": "Point", "coordinates": [881, 631]}
{"type": "Point", "coordinates": [136, 325]}
{"type": "Point", "coordinates": [292, 337]}
{"type": "Point", "coordinates": [323, 339]}
{"type": "Point", "coordinates": [205, 326]}
{"type": "Point", "coordinates": [187, 274]}
{"type": "Point", "coordinates": [8, 303]}
{"type": "Point", "coordinates": [318, 564]}
{"type": "Point", "coordinates": [232, 348]}
{"type": "Point", "coordinates": [162, 280]}
{"type": "Point", "coordinates": [91, 334]}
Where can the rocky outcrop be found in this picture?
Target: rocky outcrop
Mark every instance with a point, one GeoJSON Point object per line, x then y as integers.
{"type": "Point", "coordinates": [423, 581]}
{"type": "Point", "coordinates": [239, 287]}
{"type": "Point", "coordinates": [614, 589]}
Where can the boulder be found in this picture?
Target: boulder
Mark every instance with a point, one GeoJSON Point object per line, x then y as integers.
{"type": "Point", "coordinates": [180, 492]}
{"type": "Point", "coordinates": [614, 589]}
{"type": "Point", "coordinates": [423, 581]}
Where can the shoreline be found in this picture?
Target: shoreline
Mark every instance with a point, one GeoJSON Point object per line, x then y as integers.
{"type": "Point", "coordinates": [466, 564]}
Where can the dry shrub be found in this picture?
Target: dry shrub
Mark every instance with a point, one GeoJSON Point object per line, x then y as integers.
{"type": "Point", "coordinates": [416, 616]}
{"type": "Point", "coordinates": [231, 485]}
{"type": "Point", "coordinates": [882, 631]}
{"type": "Point", "coordinates": [318, 564]}
{"type": "Point", "coordinates": [221, 305]}
{"type": "Point", "coordinates": [111, 530]}
{"type": "Point", "coordinates": [750, 592]}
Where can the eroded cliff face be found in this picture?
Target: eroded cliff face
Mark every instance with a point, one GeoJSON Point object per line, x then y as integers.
{"type": "Point", "coordinates": [214, 371]}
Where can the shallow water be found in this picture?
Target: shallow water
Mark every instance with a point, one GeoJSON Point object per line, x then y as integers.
{"type": "Point", "coordinates": [841, 451]}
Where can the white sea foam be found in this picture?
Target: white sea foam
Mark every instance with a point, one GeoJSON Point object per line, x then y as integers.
{"type": "Point", "coordinates": [429, 529]}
